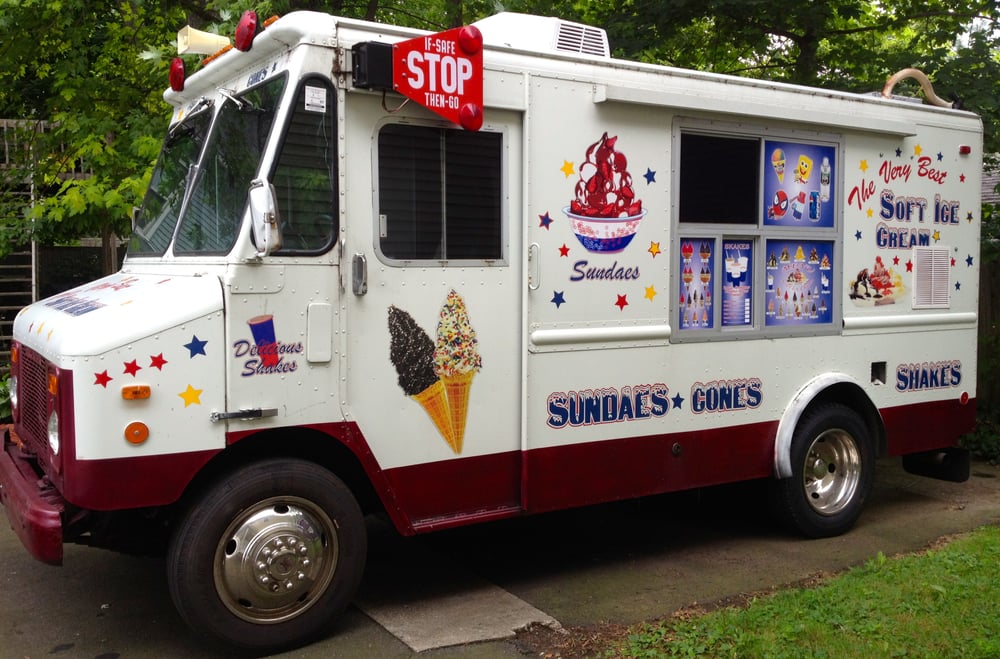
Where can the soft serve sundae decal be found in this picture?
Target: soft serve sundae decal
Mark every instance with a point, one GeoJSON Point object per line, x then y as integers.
{"type": "Point", "coordinates": [604, 215]}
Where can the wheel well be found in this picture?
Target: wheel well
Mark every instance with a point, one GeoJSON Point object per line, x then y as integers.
{"type": "Point", "coordinates": [853, 397]}
{"type": "Point", "coordinates": [301, 443]}
{"type": "Point", "coordinates": [828, 388]}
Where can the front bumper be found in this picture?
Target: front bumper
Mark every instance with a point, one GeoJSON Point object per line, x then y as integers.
{"type": "Point", "coordinates": [34, 506]}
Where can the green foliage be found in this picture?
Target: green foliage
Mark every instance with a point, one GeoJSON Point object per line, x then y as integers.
{"type": "Point", "coordinates": [5, 411]}
{"type": "Point", "coordinates": [940, 604]}
{"type": "Point", "coordinates": [984, 441]}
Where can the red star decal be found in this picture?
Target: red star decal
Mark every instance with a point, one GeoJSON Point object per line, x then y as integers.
{"type": "Point", "coordinates": [895, 260]}
{"type": "Point", "coordinates": [102, 379]}
{"type": "Point", "coordinates": [157, 361]}
{"type": "Point", "coordinates": [132, 368]}
{"type": "Point", "coordinates": [564, 251]}
{"type": "Point", "coordinates": [622, 302]}
{"type": "Point", "coordinates": [909, 266]}
{"type": "Point", "coordinates": [961, 178]}
{"type": "Point", "coordinates": [953, 262]}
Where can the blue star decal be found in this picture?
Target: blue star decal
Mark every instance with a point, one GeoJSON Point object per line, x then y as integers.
{"type": "Point", "coordinates": [968, 260]}
{"type": "Point", "coordinates": [899, 152]}
{"type": "Point", "coordinates": [197, 346]}
{"type": "Point", "coordinates": [557, 298]}
{"type": "Point", "coordinates": [678, 400]}
{"type": "Point", "coordinates": [857, 234]}
{"type": "Point", "coordinates": [958, 285]}
{"type": "Point", "coordinates": [545, 221]}
{"type": "Point", "coordinates": [940, 156]}
{"type": "Point", "coordinates": [650, 176]}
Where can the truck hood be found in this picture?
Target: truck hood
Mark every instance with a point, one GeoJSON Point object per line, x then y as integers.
{"type": "Point", "coordinates": [114, 311]}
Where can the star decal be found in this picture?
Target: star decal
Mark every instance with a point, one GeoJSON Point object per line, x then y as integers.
{"type": "Point", "coordinates": [567, 168]}
{"type": "Point", "coordinates": [936, 236]}
{"type": "Point", "coordinates": [650, 176]}
{"type": "Point", "coordinates": [132, 368]}
{"type": "Point", "coordinates": [968, 217]}
{"type": "Point", "coordinates": [968, 260]}
{"type": "Point", "coordinates": [654, 249]}
{"type": "Point", "coordinates": [650, 293]}
{"type": "Point", "coordinates": [958, 285]}
{"type": "Point", "coordinates": [157, 361]}
{"type": "Point", "coordinates": [678, 401]}
{"type": "Point", "coordinates": [909, 266]}
{"type": "Point", "coordinates": [899, 152]}
{"type": "Point", "coordinates": [102, 378]}
{"type": "Point", "coordinates": [191, 396]}
{"type": "Point", "coordinates": [558, 299]}
{"type": "Point", "coordinates": [940, 156]}
{"type": "Point", "coordinates": [869, 213]}
{"type": "Point", "coordinates": [953, 261]}
{"type": "Point", "coordinates": [961, 178]}
{"type": "Point", "coordinates": [622, 302]}
{"type": "Point", "coordinates": [544, 221]}
{"type": "Point", "coordinates": [863, 166]}
{"type": "Point", "coordinates": [895, 260]}
{"type": "Point", "coordinates": [857, 234]}
{"type": "Point", "coordinates": [917, 150]}
{"type": "Point", "coordinates": [197, 347]}
{"type": "Point", "coordinates": [564, 251]}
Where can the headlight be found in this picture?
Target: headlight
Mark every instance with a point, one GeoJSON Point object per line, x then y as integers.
{"type": "Point", "coordinates": [13, 393]}
{"type": "Point", "coordinates": [54, 432]}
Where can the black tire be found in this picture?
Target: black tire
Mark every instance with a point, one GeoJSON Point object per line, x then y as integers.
{"type": "Point", "coordinates": [833, 467]}
{"type": "Point", "coordinates": [267, 559]}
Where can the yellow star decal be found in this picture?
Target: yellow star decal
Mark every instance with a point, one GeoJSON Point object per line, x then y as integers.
{"type": "Point", "coordinates": [917, 150]}
{"type": "Point", "coordinates": [650, 293]}
{"type": "Point", "coordinates": [654, 249]}
{"type": "Point", "coordinates": [191, 396]}
{"type": "Point", "coordinates": [870, 212]}
{"type": "Point", "coordinates": [937, 236]}
{"type": "Point", "coordinates": [567, 168]}
{"type": "Point", "coordinates": [863, 166]}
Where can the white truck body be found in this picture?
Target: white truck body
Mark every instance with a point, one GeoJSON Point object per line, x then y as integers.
{"type": "Point", "coordinates": [629, 280]}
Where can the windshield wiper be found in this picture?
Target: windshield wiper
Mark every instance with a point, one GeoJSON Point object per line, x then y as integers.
{"type": "Point", "coordinates": [242, 104]}
{"type": "Point", "coordinates": [182, 128]}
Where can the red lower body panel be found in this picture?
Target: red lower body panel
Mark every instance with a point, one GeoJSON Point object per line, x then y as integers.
{"type": "Point", "coordinates": [34, 507]}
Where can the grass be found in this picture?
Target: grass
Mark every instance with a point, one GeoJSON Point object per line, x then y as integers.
{"type": "Point", "coordinates": [941, 603]}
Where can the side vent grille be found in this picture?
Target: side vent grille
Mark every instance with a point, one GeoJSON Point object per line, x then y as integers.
{"type": "Point", "coordinates": [576, 38]}
{"type": "Point", "coordinates": [931, 277]}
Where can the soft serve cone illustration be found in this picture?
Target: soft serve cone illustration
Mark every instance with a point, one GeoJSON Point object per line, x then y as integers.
{"type": "Point", "coordinates": [456, 361]}
{"type": "Point", "coordinates": [412, 353]}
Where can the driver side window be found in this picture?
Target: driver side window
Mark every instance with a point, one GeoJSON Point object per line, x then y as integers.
{"type": "Point", "coordinates": [305, 174]}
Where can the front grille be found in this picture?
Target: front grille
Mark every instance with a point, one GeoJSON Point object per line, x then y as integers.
{"type": "Point", "coordinates": [34, 400]}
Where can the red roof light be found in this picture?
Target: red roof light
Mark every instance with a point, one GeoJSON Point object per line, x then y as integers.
{"type": "Point", "coordinates": [177, 74]}
{"type": "Point", "coordinates": [248, 28]}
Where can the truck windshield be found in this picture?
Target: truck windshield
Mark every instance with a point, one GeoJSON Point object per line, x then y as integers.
{"type": "Point", "coordinates": [198, 191]}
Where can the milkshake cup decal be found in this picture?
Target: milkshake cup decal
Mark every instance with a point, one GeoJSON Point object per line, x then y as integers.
{"type": "Point", "coordinates": [262, 328]}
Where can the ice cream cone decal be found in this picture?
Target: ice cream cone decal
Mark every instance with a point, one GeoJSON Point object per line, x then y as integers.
{"type": "Point", "coordinates": [412, 353]}
{"type": "Point", "coordinates": [456, 360]}
{"type": "Point", "coordinates": [437, 375]}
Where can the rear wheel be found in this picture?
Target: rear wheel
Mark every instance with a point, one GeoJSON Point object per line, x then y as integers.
{"type": "Point", "coordinates": [832, 472]}
{"type": "Point", "coordinates": [269, 557]}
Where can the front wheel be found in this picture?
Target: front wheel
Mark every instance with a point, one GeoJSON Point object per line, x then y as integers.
{"type": "Point", "coordinates": [833, 468]}
{"type": "Point", "coordinates": [269, 557]}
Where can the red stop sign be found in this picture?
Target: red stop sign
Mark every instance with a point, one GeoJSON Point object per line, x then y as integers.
{"type": "Point", "coordinates": [444, 73]}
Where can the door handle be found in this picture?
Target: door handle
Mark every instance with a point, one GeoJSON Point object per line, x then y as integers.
{"type": "Point", "coordinates": [359, 274]}
{"type": "Point", "coordinates": [533, 277]}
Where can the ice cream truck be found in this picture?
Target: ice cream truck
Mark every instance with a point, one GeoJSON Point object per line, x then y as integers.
{"type": "Point", "coordinates": [467, 276]}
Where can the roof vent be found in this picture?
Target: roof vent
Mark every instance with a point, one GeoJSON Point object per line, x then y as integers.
{"type": "Point", "coordinates": [543, 34]}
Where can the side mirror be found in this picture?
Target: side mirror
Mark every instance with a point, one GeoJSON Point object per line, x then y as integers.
{"type": "Point", "coordinates": [264, 217]}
